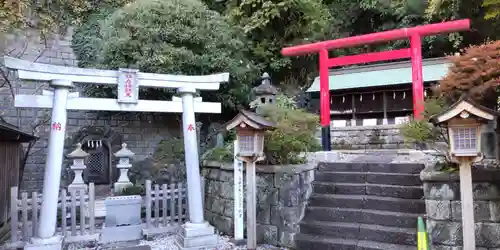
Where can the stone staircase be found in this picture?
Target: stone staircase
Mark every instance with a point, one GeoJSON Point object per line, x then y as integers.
{"type": "Point", "coordinates": [363, 206]}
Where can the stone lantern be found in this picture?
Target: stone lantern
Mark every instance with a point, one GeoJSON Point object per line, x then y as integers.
{"type": "Point", "coordinates": [124, 155]}
{"type": "Point", "coordinates": [265, 94]}
{"type": "Point", "coordinates": [464, 120]}
{"type": "Point", "coordinates": [78, 157]}
{"type": "Point", "coordinates": [250, 128]}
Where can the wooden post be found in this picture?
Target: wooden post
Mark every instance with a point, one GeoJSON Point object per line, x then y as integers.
{"type": "Point", "coordinates": [353, 103]}
{"type": "Point", "coordinates": [384, 103]}
{"type": "Point", "coordinates": [251, 207]}
{"type": "Point", "coordinates": [238, 195]}
{"type": "Point", "coordinates": [466, 197]}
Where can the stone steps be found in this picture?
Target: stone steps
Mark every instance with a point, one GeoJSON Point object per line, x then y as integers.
{"type": "Point", "coordinates": [368, 177]}
{"type": "Point", "coordinates": [368, 202]}
{"type": "Point", "coordinates": [400, 168]}
{"type": "Point", "coordinates": [316, 242]}
{"type": "Point", "coordinates": [406, 192]}
{"type": "Point", "coordinates": [393, 235]}
{"type": "Point", "coordinates": [364, 216]}
{"type": "Point", "coordinates": [363, 206]}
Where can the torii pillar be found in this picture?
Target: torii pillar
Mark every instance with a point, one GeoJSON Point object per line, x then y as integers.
{"type": "Point", "coordinates": [414, 34]}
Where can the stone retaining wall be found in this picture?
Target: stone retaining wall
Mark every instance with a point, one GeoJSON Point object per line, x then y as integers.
{"type": "Point", "coordinates": [442, 194]}
{"type": "Point", "coordinates": [282, 195]}
{"type": "Point", "coordinates": [367, 137]}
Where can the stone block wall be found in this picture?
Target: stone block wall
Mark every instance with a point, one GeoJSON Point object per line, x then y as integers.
{"type": "Point", "coordinates": [442, 194]}
{"type": "Point", "coordinates": [141, 132]}
{"type": "Point", "coordinates": [282, 195]}
{"type": "Point", "coordinates": [367, 137]}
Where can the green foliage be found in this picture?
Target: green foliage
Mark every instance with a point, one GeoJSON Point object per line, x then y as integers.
{"type": "Point", "coordinates": [220, 154]}
{"type": "Point", "coordinates": [295, 134]}
{"type": "Point", "coordinates": [492, 8]}
{"type": "Point", "coordinates": [273, 24]}
{"type": "Point", "coordinates": [421, 131]}
{"type": "Point", "coordinates": [49, 16]}
{"type": "Point", "coordinates": [172, 37]}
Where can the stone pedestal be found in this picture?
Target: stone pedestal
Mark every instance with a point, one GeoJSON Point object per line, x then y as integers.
{"type": "Point", "coordinates": [197, 236]}
{"type": "Point", "coordinates": [52, 243]}
{"type": "Point", "coordinates": [123, 219]}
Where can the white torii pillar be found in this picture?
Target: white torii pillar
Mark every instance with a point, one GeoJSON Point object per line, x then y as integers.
{"type": "Point", "coordinates": [195, 233]}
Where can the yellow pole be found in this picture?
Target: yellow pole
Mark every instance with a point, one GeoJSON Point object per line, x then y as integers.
{"type": "Point", "coordinates": [422, 243]}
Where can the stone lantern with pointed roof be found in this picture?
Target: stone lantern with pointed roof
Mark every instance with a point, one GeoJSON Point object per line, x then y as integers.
{"type": "Point", "coordinates": [124, 155]}
{"type": "Point", "coordinates": [78, 157]}
{"type": "Point", "coordinates": [265, 93]}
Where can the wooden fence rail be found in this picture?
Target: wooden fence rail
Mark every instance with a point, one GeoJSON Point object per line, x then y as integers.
{"type": "Point", "coordinates": [166, 207]}
{"type": "Point", "coordinates": [76, 216]}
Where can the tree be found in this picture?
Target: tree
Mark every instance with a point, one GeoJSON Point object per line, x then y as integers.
{"type": "Point", "coordinates": [271, 25]}
{"type": "Point", "coordinates": [476, 72]}
{"type": "Point", "coordinates": [172, 37]}
{"type": "Point", "coordinates": [480, 12]}
{"type": "Point", "coordinates": [492, 9]}
{"type": "Point", "coordinates": [48, 16]}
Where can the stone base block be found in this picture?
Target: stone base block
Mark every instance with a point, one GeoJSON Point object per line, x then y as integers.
{"type": "Point", "coordinates": [124, 233]}
{"type": "Point", "coordinates": [52, 243]}
{"type": "Point", "coordinates": [197, 236]}
{"type": "Point", "coordinates": [76, 187]}
{"type": "Point", "coordinates": [240, 242]}
{"type": "Point", "coordinates": [119, 186]}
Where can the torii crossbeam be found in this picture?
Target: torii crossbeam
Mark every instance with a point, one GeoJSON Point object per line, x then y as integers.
{"type": "Point", "coordinates": [414, 34]}
{"type": "Point", "coordinates": [128, 82]}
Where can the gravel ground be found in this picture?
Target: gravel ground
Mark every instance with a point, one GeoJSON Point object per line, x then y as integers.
{"type": "Point", "coordinates": [168, 243]}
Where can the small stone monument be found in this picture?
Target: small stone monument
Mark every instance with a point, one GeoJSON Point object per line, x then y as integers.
{"type": "Point", "coordinates": [125, 155]}
{"type": "Point", "coordinates": [78, 157]}
{"type": "Point", "coordinates": [123, 219]}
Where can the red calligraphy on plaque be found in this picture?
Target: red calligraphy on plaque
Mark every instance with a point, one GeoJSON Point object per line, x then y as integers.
{"type": "Point", "coordinates": [56, 126]}
{"type": "Point", "coordinates": [190, 127]}
{"type": "Point", "coordinates": [128, 85]}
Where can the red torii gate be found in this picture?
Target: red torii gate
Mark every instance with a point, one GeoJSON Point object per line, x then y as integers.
{"type": "Point", "coordinates": [415, 35]}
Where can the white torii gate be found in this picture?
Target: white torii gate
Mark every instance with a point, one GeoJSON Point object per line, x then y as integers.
{"type": "Point", "coordinates": [128, 82]}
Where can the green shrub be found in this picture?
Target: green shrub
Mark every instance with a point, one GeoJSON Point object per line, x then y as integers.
{"type": "Point", "coordinates": [421, 131]}
{"type": "Point", "coordinates": [295, 133]}
{"type": "Point", "coordinates": [170, 37]}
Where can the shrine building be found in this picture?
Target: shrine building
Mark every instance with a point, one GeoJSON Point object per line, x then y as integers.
{"type": "Point", "coordinates": [377, 94]}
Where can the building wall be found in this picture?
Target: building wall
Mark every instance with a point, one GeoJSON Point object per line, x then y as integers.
{"type": "Point", "coordinates": [141, 132]}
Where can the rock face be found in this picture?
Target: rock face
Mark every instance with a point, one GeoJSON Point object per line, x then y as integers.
{"type": "Point", "coordinates": [442, 198]}
{"type": "Point", "coordinates": [282, 194]}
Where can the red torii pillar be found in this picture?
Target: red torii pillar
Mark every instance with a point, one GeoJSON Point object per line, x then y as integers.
{"type": "Point", "coordinates": [415, 35]}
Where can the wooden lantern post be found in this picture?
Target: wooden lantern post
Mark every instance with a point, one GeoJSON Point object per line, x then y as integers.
{"type": "Point", "coordinates": [250, 128]}
{"type": "Point", "coordinates": [463, 121]}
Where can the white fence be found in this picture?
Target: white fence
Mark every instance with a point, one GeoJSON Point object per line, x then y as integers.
{"type": "Point", "coordinates": [76, 217]}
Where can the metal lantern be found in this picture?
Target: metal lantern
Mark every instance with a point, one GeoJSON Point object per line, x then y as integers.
{"type": "Point", "coordinates": [250, 128]}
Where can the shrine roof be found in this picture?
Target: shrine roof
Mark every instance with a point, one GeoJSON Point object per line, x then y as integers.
{"type": "Point", "coordinates": [382, 74]}
{"type": "Point", "coordinates": [9, 132]}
